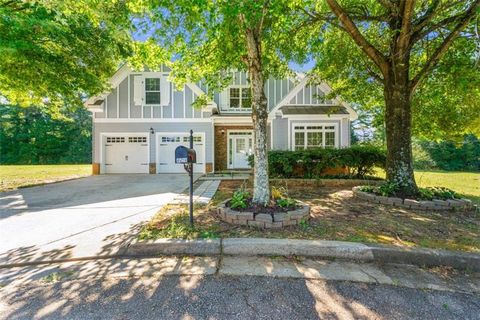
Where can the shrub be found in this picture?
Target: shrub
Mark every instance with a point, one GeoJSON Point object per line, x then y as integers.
{"type": "Point", "coordinates": [312, 163]}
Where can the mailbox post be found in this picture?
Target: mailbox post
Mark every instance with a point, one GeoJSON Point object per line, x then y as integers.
{"type": "Point", "coordinates": [187, 157]}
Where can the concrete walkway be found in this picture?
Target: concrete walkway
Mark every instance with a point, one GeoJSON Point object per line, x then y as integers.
{"type": "Point", "coordinates": [202, 193]}
{"type": "Point", "coordinates": [93, 216]}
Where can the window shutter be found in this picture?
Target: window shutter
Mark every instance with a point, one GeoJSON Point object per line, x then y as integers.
{"type": "Point", "coordinates": [138, 90]}
{"type": "Point", "coordinates": [224, 98]}
{"type": "Point", "coordinates": [164, 91]}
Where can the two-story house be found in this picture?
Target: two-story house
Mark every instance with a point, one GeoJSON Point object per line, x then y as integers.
{"type": "Point", "coordinates": [140, 122]}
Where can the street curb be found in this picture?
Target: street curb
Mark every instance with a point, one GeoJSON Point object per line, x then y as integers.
{"type": "Point", "coordinates": [168, 246]}
{"type": "Point", "coordinates": [309, 248]}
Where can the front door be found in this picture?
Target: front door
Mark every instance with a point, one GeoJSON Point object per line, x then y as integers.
{"type": "Point", "coordinates": [241, 147]}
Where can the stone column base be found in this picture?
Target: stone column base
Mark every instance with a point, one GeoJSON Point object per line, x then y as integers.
{"type": "Point", "coordinates": [152, 168]}
{"type": "Point", "coordinates": [209, 167]}
{"type": "Point", "coordinates": [95, 168]}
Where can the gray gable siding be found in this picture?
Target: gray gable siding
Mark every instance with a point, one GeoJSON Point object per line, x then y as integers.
{"type": "Point", "coordinates": [309, 95]}
{"type": "Point", "coordinates": [180, 105]}
{"type": "Point", "coordinates": [112, 104]}
{"type": "Point", "coordinates": [135, 111]}
{"type": "Point", "coordinates": [275, 89]}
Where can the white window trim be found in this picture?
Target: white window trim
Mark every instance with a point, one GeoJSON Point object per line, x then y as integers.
{"type": "Point", "coordinates": [323, 130]}
{"type": "Point", "coordinates": [154, 76]}
{"type": "Point", "coordinates": [240, 109]}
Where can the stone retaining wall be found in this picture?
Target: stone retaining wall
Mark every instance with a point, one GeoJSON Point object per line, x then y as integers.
{"type": "Point", "coordinates": [264, 220]}
{"type": "Point", "coordinates": [435, 204]}
{"type": "Point", "coordinates": [308, 183]}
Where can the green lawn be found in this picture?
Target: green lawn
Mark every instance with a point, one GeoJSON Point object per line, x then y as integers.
{"type": "Point", "coordinates": [465, 183]}
{"type": "Point", "coordinates": [13, 177]}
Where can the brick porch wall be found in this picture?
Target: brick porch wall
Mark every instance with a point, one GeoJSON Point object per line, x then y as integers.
{"type": "Point", "coordinates": [221, 145]}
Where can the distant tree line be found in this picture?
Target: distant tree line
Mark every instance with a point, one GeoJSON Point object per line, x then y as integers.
{"type": "Point", "coordinates": [37, 135]}
{"type": "Point", "coordinates": [448, 155]}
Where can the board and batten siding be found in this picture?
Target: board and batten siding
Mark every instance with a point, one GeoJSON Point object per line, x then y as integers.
{"type": "Point", "coordinates": [309, 95]}
{"type": "Point", "coordinates": [120, 103]}
{"type": "Point", "coordinates": [125, 128]}
{"type": "Point", "coordinates": [275, 89]}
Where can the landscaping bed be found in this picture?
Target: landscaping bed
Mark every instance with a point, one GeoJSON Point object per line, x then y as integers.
{"type": "Point", "coordinates": [439, 199]}
{"type": "Point", "coordinates": [335, 214]}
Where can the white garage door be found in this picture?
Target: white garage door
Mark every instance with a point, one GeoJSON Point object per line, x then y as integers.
{"type": "Point", "coordinates": [168, 142]}
{"type": "Point", "coordinates": [126, 153]}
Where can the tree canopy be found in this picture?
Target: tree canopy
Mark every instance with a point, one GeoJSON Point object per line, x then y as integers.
{"type": "Point", "coordinates": [60, 50]}
{"type": "Point", "coordinates": [398, 52]}
{"type": "Point", "coordinates": [444, 105]}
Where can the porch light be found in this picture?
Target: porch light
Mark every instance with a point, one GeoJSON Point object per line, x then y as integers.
{"type": "Point", "coordinates": [151, 130]}
{"type": "Point", "coordinates": [223, 131]}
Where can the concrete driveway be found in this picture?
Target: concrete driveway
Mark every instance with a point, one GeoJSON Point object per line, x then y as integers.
{"type": "Point", "coordinates": [93, 216]}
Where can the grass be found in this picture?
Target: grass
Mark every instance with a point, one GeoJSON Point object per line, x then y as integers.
{"type": "Point", "coordinates": [18, 176]}
{"type": "Point", "coordinates": [335, 215]}
{"type": "Point", "coordinates": [465, 183]}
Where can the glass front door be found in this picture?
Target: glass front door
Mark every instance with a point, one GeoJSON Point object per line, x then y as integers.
{"type": "Point", "coordinates": [240, 148]}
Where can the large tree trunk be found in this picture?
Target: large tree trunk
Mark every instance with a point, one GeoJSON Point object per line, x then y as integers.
{"type": "Point", "coordinates": [261, 187]}
{"type": "Point", "coordinates": [398, 125]}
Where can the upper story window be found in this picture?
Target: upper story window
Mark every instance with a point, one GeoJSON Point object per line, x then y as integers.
{"type": "Point", "coordinates": [314, 136]}
{"type": "Point", "coordinates": [240, 98]}
{"type": "Point", "coordinates": [152, 90]}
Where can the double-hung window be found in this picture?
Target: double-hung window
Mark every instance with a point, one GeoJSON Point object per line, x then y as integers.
{"type": "Point", "coordinates": [314, 136]}
{"type": "Point", "coordinates": [240, 98]}
{"type": "Point", "coordinates": [152, 91]}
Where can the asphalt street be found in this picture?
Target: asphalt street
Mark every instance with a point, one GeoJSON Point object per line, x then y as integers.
{"type": "Point", "coordinates": [228, 297]}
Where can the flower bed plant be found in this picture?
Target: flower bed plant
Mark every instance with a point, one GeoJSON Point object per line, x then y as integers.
{"type": "Point", "coordinates": [280, 202]}
{"type": "Point", "coordinates": [281, 211]}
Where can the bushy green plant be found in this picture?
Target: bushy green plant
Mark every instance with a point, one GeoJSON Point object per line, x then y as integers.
{"type": "Point", "coordinates": [360, 159]}
{"type": "Point", "coordinates": [286, 202]}
{"type": "Point", "coordinates": [442, 193]}
{"type": "Point", "coordinates": [369, 189]}
{"type": "Point", "coordinates": [387, 189]}
{"type": "Point", "coordinates": [239, 199]}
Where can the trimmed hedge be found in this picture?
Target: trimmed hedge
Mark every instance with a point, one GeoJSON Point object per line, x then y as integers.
{"type": "Point", "coordinates": [314, 163]}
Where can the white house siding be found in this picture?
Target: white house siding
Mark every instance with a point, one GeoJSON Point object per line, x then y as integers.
{"type": "Point", "coordinates": [144, 127]}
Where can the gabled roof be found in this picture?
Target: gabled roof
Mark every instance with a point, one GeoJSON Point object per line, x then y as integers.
{"type": "Point", "coordinates": [323, 86]}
